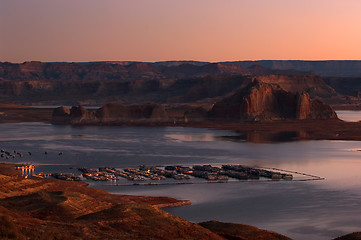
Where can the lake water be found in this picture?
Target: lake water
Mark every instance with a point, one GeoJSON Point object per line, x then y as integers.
{"type": "Point", "coordinates": [320, 209]}
{"type": "Point", "coordinates": [349, 116]}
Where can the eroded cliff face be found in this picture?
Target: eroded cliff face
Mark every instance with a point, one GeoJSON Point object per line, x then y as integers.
{"type": "Point", "coordinates": [264, 101]}
{"type": "Point", "coordinates": [303, 107]}
{"type": "Point", "coordinates": [312, 84]}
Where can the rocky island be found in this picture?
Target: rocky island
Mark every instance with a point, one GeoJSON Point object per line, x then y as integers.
{"type": "Point", "coordinates": [260, 111]}
{"type": "Point", "coordinates": [258, 101]}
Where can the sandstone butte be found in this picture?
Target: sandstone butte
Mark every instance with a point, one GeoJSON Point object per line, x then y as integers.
{"type": "Point", "coordinates": [258, 101]}
{"type": "Point", "coordinates": [264, 101]}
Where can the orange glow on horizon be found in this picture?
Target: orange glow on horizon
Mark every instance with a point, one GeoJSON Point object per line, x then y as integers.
{"type": "Point", "coordinates": [157, 30]}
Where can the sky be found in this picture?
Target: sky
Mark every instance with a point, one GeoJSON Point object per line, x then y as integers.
{"type": "Point", "coordinates": [162, 30]}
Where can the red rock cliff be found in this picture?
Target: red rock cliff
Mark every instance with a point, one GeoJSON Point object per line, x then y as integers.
{"type": "Point", "coordinates": [264, 101]}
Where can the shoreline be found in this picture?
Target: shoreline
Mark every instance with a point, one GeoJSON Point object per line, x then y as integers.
{"type": "Point", "coordinates": [261, 131]}
{"type": "Point", "coordinates": [264, 131]}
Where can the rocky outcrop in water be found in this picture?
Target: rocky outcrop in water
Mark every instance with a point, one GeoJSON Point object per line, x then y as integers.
{"type": "Point", "coordinates": [61, 115]}
{"type": "Point", "coordinates": [110, 113]}
{"type": "Point", "coordinates": [78, 114]}
{"type": "Point", "coordinates": [264, 101]}
{"type": "Point", "coordinates": [256, 101]}
{"type": "Point", "coordinates": [119, 112]}
{"type": "Point", "coordinates": [75, 115]}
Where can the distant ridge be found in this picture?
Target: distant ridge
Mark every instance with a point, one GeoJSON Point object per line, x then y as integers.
{"type": "Point", "coordinates": [94, 83]}
{"type": "Point", "coordinates": [178, 63]}
{"type": "Point", "coordinates": [327, 68]}
{"type": "Point", "coordinates": [324, 68]}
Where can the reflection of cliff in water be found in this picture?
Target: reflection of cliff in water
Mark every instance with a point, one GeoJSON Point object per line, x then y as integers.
{"type": "Point", "coordinates": [266, 137]}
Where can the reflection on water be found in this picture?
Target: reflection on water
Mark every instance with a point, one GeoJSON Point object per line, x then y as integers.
{"type": "Point", "coordinates": [301, 210]}
{"type": "Point", "coordinates": [190, 138]}
{"type": "Point", "coordinates": [252, 136]}
{"type": "Point", "coordinates": [266, 137]}
{"type": "Point", "coordinates": [349, 116]}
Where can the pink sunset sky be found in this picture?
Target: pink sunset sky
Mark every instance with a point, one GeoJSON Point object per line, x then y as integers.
{"type": "Point", "coordinates": [158, 30]}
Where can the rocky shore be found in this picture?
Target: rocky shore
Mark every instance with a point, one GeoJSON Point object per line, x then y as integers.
{"type": "Point", "coordinates": [260, 131]}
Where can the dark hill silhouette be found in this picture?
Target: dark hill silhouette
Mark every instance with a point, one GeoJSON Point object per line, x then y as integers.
{"type": "Point", "coordinates": [97, 83]}
{"type": "Point", "coordinates": [335, 68]}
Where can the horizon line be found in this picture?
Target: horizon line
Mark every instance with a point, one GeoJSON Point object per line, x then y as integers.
{"type": "Point", "coordinates": [200, 61]}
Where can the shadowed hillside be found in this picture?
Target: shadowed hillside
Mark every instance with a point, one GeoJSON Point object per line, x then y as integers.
{"type": "Point", "coordinates": [97, 83]}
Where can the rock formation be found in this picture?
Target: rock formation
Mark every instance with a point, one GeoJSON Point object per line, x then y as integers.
{"type": "Point", "coordinates": [110, 113]}
{"type": "Point", "coordinates": [78, 114]}
{"type": "Point", "coordinates": [264, 101]}
{"type": "Point", "coordinates": [114, 112]}
{"type": "Point", "coordinates": [256, 101]}
{"type": "Point", "coordinates": [312, 84]}
{"type": "Point", "coordinates": [61, 115]}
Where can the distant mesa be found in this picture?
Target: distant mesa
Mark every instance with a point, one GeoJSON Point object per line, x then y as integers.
{"type": "Point", "coordinates": [258, 101]}
{"type": "Point", "coordinates": [265, 101]}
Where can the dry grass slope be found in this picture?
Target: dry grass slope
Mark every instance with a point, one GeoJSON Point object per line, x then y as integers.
{"type": "Point", "coordinates": [234, 231]}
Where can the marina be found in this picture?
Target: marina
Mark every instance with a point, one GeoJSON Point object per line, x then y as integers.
{"type": "Point", "coordinates": [158, 175]}
{"type": "Point", "coordinates": [164, 175]}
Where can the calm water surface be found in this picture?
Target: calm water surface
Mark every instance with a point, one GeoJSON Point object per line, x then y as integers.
{"type": "Point", "coordinates": [349, 116]}
{"type": "Point", "coordinates": [299, 209]}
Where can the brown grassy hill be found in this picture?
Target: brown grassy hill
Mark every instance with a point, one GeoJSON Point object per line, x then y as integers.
{"type": "Point", "coordinates": [351, 236]}
{"type": "Point", "coordinates": [234, 231]}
